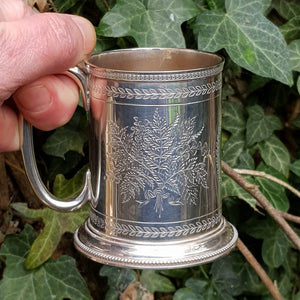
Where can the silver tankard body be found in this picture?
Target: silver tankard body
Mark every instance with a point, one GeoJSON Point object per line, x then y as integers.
{"type": "Point", "coordinates": [154, 159]}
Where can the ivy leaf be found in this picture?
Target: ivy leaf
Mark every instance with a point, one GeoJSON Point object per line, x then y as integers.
{"type": "Point", "coordinates": [234, 119]}
{"type": "Point", "coordinates": [233, 274]}
{"type": "Point", "coordinates": [56, 224]}
{"type": "Point", "coordinates": [275, 248]}
{"type": "Point", "coordinates": [294, 48]}
{"type": "Point", "coordinates": [257, 227]}
{"type": "Point", "coordinates": [259, 125]}
{"type": "Point", "coordinates": [56, 279]}
{"type": "Point", "coordinates": [290, 29]}
{"type": "Point", "coordinates": [287, 9]}
{"type": "Point", "coordinates": [296, 121]}
{"type": "Point", "coordinates": [187, 293]}
{"type": "Point", "coordinates": [69, 188]}
{"type": "Point", "coordinates": [295, 167]}
{"type": "Point", "coordinates": [72, 136]}
{"type": "Point", "coordinates": [275, 243]}
{"type": "Point", "coordinates": [250, 39]}
{"type": "Point", "coordinates": [274, 192]}
{"type": "Point", "coordinates": [231, 188]}
{"type": "Point", "coordinates": [195, 289]}
{"type": "Point", "coordinates": [154, 282]}
{"type": "Point", "coordinates": [118, 280]}
{"type": "Point", "coordinates": [232, 150]}
{"type": "Point", "coordinates": [58, 165]}
{"type": "Point", "coordinates": [154, 23]}
{"type": "Point", "coordinates": [275, 154]}
{"type": "Point", "coordinates": [236, 154]}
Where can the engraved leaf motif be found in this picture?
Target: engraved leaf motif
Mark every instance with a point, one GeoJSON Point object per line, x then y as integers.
{"type": "Point", "coordinates": [156, 161]}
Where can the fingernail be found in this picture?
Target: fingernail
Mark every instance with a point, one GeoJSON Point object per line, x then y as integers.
{"type": "Point", "coordinates": [88, 33]}
{"type": "Point", "coordinates": [34, 99]}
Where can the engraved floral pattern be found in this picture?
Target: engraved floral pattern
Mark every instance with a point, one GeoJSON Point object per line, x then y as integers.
{"type": "Point", "coordinates": [158, 163]}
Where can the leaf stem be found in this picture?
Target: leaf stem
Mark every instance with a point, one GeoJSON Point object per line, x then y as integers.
{"type": "Point", "coordinates": [106, 4]}
{"type": "Point", "coordinates": [203, 272]}
{"type": "Point", "coordinates": [255, 192]}
{"type": "Point", "coordinates": [272, 287]}
{"type": "Point", "coordinates": [270, 177]}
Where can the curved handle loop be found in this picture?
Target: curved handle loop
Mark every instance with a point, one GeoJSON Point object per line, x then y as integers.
{"type": "Point", "coordinates": [30, 163]}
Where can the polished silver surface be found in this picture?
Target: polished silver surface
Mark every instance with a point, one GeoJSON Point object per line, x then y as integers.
{"type": "Point", "coordinates": [154, 178]}
{"type": "Point", "coordinates": [155, 125]}
{"type": "Point", "coordinates": [183, 252]}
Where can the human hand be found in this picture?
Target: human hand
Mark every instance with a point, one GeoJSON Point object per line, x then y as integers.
{"type": "Point", "coordinates": [36, 49]}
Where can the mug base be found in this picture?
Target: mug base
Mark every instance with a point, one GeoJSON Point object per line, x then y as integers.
{"type": "Point", "coordinates": [177, 253]}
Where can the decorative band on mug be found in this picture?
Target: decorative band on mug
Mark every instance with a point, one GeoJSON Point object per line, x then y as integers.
{"type": "Point", "coordinates": [156, 93]}
{"type": "Point", "coordinates": [162, 230]}
{"type": "Point", "coordinates": [156, 76]}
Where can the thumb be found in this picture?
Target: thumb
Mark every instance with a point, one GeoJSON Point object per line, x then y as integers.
{"type": "Point", "coordinates": [40, 45]}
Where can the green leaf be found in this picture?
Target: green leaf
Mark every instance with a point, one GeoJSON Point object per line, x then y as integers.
{"type": "Point", "coordinates": [287, 8]}
{"type": "Point", "coordinates": [285, 286]}
{"type": "Point", "coordinates": [231, 188]}
{"type": "Point", "coordinates": [290, 30]}
{"type": "Point", "coordinates": [250, 39]}
{"type": "Point", "coordinates": [275, 154]}
{"type": "Point", "coordinates": [196, 288]}
{"type": "Point", "coordinates": [294, 48]}
{"type": "Point", "coordinates": [64, 5]}
{"type": "Point", "coordinates": [258, 227]}
{"type": "Point", "coordinates": [69, 188]}
{"type": "Point", "coordinates": [275, 248]}
{"type": "Point", "coordinates": [56, 224]}
{"type": "Point", "coordinates": [298, 85]}
{"type": "Point", "coordinates": [274, 192]}
{"type": "Point", "coordinates": [256, 83]}
{"type": "Point", "coordinates": [118, 280]}
{"type": "Point", "coordinates": [177, 273]}
{"type": "Point", "coordinates": [59, 165]}
{"type": "Point", "coordinates": [233, 275]}
{"type": "Point", "coordinates": [186, 293]}
{"type": "Point", "coordinates": [295, 167]}
{"type": "Point", "coordinates": [104, 43]}
{"type": "Point", "coordinates": [234, 119]}
{"type": "Point", "coordinates": [275, 243]}
{"type": "Point", "coordinates": [201, 289]}
{"type": "Point", "coordinates": [232, 150]}
{"type": "Point", "coordinates": [225, 277]}
{"type": "Point", "coordinates": [236, 154]}
{"type": "Point", "coordinates": [56, 279]}
{"type": "Point", "coordinates": [154, 282]}
{"type": "Point", "coordinates": [259, 125]}
{"type": "Point", "coordinates": [72, 136]}
{"type": "Point", "coordinates": [154, 23]}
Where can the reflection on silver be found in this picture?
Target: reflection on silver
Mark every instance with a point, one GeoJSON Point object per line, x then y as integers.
{"type": "Point", "coordinates": [154, 178]}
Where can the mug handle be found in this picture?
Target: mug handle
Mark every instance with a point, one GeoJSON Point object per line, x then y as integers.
{"type": "Point", "coordinates": [81, 77]}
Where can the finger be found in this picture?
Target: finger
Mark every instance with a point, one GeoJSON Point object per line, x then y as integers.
{"type": "Point", "coordinates": [9, 130]}
{"type": "Point", "coordinates": [14, 10]}
{"type": "Point", "coordinates": [39, 45]}
{"type": "Point", "coordinates": [48, 102]}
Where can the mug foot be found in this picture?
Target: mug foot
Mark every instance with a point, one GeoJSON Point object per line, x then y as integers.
{"type": "Point", "coordinates": [139, 254]}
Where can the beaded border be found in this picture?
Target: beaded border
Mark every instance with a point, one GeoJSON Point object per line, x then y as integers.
{"type": "Point", "coordinates": [155, 76]}
{"type": "Point", "coordinates": [198, 258]}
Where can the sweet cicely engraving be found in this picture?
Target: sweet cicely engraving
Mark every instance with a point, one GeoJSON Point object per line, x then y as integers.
{"type": "Point", "coordinates": [159, 162]}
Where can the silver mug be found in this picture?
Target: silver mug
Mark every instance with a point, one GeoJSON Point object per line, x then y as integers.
{"type": "Point", "coordinates": [154, 159]}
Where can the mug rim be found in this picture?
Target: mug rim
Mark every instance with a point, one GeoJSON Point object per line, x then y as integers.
{"type": "Point", "coordinates": [155, 75]}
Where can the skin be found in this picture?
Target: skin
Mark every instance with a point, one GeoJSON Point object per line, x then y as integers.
{"type": "Point", "coordinates": [36, 49]}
